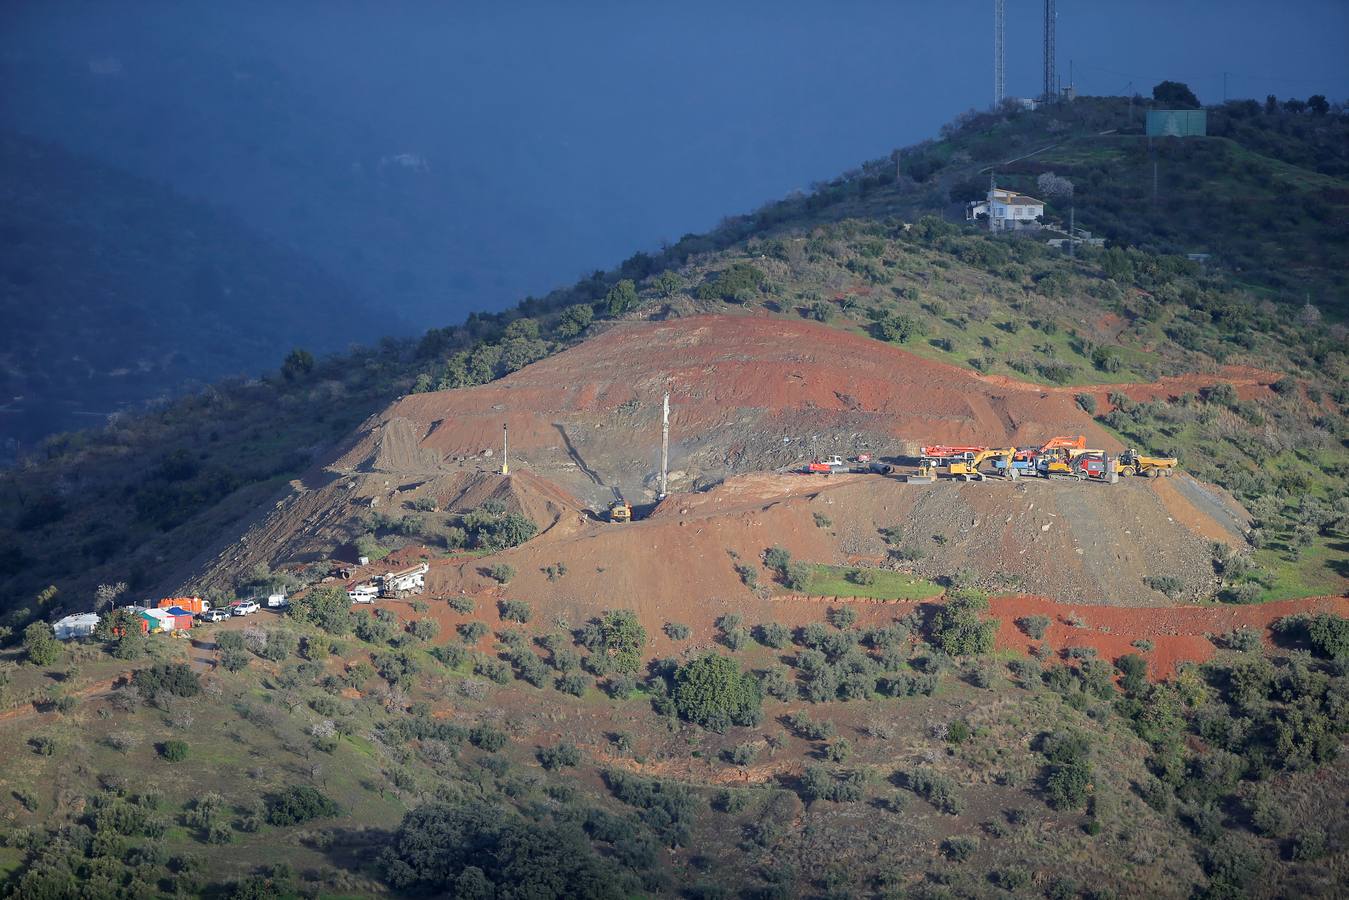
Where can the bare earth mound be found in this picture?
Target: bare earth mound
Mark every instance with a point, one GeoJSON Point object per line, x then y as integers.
{"type": "Point", "coordinates": [747, 394]}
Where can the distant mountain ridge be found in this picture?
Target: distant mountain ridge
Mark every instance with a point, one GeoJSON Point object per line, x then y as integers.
{"type": "Point", "coordinates": [117, 291]}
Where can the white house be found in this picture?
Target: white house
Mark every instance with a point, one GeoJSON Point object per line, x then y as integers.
{"type": "Point", "coordinates": [81, 625]}
{"type": "Point", "coordinates": [1007, 210]}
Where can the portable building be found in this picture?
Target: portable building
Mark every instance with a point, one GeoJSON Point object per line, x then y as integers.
{"type": "Point", "coordinates": [157, 620]}
{"type": "Point", "coordinates": [191, 604]}
{"type": "Point", "coordinates": [76, 626]}
{"type": "Point", "coordinates": [182, 618]}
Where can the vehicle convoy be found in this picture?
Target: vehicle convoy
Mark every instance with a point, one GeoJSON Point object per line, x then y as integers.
{"type": "Point", "coordinates": [1058, 457]}
{"type": "Point", "coordinates": [1131, 462]}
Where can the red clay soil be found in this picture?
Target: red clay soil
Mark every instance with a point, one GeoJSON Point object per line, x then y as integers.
{"type": "Point", "coordinates": [1178, 634]}
{"type": "Point", "coordinates": [718, 367]}
{"type": "Point", "coordinates": [1250, 384]}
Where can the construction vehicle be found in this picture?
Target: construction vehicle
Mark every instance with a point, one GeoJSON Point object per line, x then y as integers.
{"type": "Point", "coordinates": [1131, 462]}
{"type": "Point", "coordinates": [1024, 461]}
{"type": "Point", "coordinates": [411, 580]}
{"type": "Point", "coordinates": [942, 454]}
{"type": "Point", "coordinates": [620, 511]}
{"type": "Point", "coordinates": [1080, 463]}
{"type": "Point", "coordinates": [827, 466]}
{"type": "Point", "coordinates": [964, 469]}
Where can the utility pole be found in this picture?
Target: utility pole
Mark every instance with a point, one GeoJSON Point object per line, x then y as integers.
{"type": "Point", "coordinates": [1051, 17]}
{"type": "Point", "coordinates": [664, 447]}
{"type": "Point", "coordinates": [505, 466]}
{"type": "Point", "coordinates": [999, 56]}
{"type": "Point", "coordinates": [1072, 231]}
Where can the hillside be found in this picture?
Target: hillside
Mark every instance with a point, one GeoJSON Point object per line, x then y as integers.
{"type": "Point", "coordinates": [118, 291]}
{"type": "Point", "coordinates": [769, 684]}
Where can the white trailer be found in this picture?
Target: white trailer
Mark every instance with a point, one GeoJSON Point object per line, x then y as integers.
{"type": "Point", "coordinates": [76, 626]}
{"type": "Point", "coordinates": [411, 580]}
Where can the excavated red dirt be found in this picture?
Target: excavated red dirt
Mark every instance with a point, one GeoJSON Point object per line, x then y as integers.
{"type": "Point", "coordinates": [1179, 634]}
{"type": "Point", "coordinates": [739, 386]}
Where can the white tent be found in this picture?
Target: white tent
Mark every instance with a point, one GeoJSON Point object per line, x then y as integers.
{"type": "Point", "coordinates": [81, 625]}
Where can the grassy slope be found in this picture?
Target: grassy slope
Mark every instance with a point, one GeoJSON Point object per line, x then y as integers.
{"type": "Point", "coordinates": [248, 737]}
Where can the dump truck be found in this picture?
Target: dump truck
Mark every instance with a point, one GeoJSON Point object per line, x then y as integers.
{"type": "Point", "coordinates": [1131, 462]}
{"type": "Point", "coordinates": [411, 580]}
{"type": "Point", "coordinates": [620, 511]}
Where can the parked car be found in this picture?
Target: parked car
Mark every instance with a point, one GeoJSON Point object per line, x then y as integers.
{"type": "Point", "coordinates": [363, 593]}
{"type": "Point", "coordinates": [248, 607]}
{"type": "Point", "coordinates": [214, 615]}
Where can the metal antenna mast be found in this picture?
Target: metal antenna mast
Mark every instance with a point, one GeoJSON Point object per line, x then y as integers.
{"type": "Point", "coordinates": [999, 52]}
{"type": "Point", "coordinates": [1051, 18]}
{"type": "Point", "coordinates": [505, 466]}
{"type": "Point", "coordinates": [664, 447]}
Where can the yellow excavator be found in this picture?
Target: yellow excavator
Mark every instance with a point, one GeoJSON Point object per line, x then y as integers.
{"type": "Point", "coordinates": [1131, 462]}
{"type": "Point", "coordinates": [968, 469]}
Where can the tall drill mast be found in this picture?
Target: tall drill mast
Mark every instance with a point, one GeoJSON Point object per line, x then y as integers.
{"type": "Point", "coordinates": [664, 447]}
{"type": "Point", "coordinates": [1051, 88]}
{"type": "Point", "coordinates": [999, 76]}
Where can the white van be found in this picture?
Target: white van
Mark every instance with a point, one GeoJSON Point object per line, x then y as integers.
{"type": "Point", "coordinates": [277, 601]}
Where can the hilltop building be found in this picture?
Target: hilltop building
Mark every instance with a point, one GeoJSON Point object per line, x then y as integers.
{"type": "Point", "coordinates": [1007, 210]}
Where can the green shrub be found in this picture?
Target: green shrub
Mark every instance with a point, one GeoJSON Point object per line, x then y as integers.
{"type": "Point", "coordinates": [740, 283]}
{"type": "Point", "coordinates": [712, 691]}
{"type": "Point", "coordinates": [677, 632]}
{"type": "Point", "coordinates": [177, 679]}
{"type": "Point", "coordinates": [1088, 403]}
{"type": "Point", "coordinates": [173, 751]}
{"type": "Point", "coordinates": [957, 628]}
{"type": "Point", "coordinates": [960, 848]}
{"type": "Point", "coordinates": [564, 754]}
{"type": "Point", "coordinates": [502, 573]}
{"type": "Point", "coordinates": [1167, 584]}
{"type": "Point", "coordinates": [462, 605]}
{"type": "Point", "coordinates": [515, 611]}
{"type": "Point", "coordinates": [472, 632]}
{"type": "Point", "coordinates": [298, 804]}
{"type": "Point", "coordinates": [40, 644]}
{"type": "Point", "coordinates": [936, 789]}
{"type": "Point", "coordinates": [1034, 626]}
{"type": "Point", "coordinates": [773, 634]}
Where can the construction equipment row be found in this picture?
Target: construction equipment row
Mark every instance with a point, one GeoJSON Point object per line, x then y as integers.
{"type": "Point", "coordinates": [1059, 457]}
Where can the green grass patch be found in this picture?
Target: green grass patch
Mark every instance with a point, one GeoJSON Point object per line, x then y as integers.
{"type": "Point", "coordinates": [833, 581]}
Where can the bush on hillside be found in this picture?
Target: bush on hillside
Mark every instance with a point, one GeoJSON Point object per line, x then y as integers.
{"type": "Point", "coordinates": [298, 804]}
{"type": "Point", "coordinates": [957, 628]}
{"type": "Point", "coordinates": [712, 691]}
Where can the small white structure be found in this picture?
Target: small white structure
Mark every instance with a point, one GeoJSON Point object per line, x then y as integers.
{"type": "Point", "coordinates": [76, 626]}
{"type": "Point", "coordinates": [363, 593]}
{"type": "Point", "coordinates": [276, 601]}
{"type": "Point", "coordinates": [1007, 210]}
{"type": "Point", "coordinates": [411, 580]}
